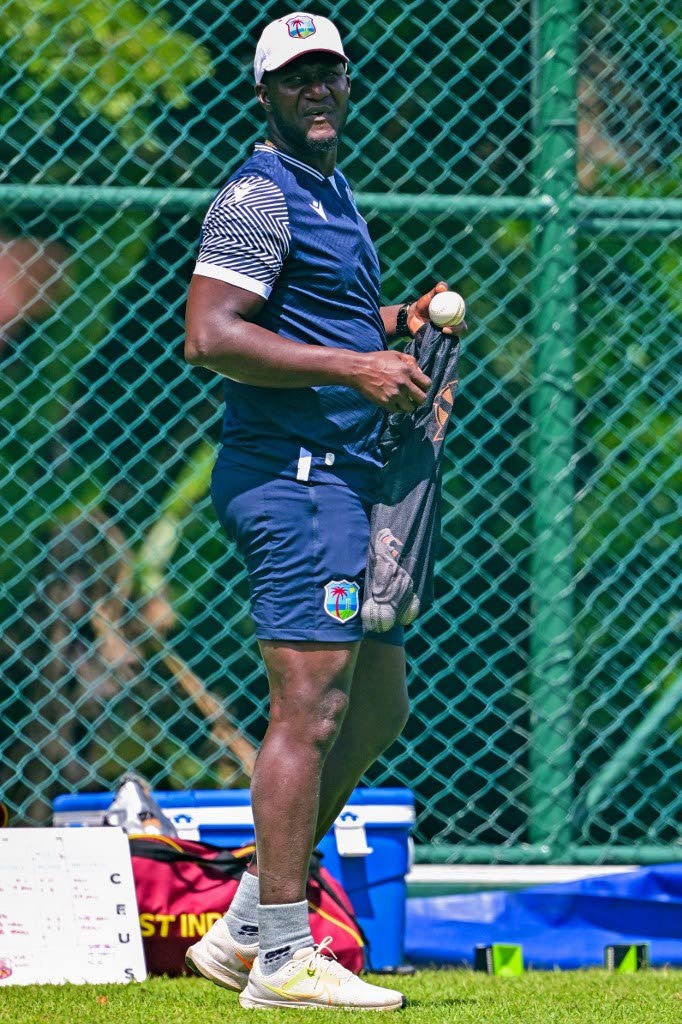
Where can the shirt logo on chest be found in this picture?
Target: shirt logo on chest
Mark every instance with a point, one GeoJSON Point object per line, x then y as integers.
{"type": "Point", "coordinates": [318, 208]}
{"type": "Point", "coordinates": [241, 191]}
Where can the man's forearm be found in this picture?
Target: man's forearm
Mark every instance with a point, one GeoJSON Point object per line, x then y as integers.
{"type": "Point", "coordinates": [253, 355]}
{"type": "Point", "coordinates": [389, 315]}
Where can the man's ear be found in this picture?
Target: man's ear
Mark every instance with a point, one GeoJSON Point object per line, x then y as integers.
{"type": "Point", "coordinates": [262, 95]}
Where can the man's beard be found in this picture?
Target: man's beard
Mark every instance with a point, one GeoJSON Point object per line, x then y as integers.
{"type": "Point", "coordinates": [298, 139]}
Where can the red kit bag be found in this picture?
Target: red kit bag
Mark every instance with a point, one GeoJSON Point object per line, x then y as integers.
{"type": "Point", "coordinates": [182, 887]}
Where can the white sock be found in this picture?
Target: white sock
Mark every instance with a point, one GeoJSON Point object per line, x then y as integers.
{"type": "Point", "coordinates": [242, 915]}
{"type": "Point", "coordinates": [283, 928]}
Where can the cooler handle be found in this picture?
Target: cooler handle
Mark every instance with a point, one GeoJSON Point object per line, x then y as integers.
{"type": "Point", "coordinates": [350, 835]}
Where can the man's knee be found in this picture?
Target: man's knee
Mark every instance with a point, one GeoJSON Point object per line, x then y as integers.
{"type": "Point", "coordinates": [311, 717]}
{"type": "Point", "coordinates": [326, 719]}
{"type": "Point", "coordinates": [309, 686]}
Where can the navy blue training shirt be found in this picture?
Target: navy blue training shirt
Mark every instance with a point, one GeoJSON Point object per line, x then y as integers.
{"type": "Point", "coordinates": [283, 230]}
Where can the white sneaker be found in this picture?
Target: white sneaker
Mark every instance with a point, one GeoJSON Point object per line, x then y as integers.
{"type": "Point", "coordinates": [217, 957]}
{"type": "Point", "coordinates": [312, 980]}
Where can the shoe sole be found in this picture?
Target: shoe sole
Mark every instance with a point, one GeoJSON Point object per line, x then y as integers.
{"type": "Point", "coordinates": [249, 1003]}
{"type": "Point", "coordinates": [206, 967]}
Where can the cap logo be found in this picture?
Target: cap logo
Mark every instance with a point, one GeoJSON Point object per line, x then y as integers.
{"type": "Point", "coordinates": [301, 26]}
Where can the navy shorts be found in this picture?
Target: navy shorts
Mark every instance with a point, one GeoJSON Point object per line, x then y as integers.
{"type": "Point", "coordinates": [305, 549]}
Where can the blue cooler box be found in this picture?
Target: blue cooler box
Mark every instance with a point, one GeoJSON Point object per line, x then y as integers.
{"type": "Point", "coordinates": [368, 848]}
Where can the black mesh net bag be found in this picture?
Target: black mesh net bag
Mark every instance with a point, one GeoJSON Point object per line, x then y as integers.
{"type": "Point", "coordinates": [406, 519]}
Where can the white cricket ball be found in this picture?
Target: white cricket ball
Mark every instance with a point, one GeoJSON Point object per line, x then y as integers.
{"type": "Point", "coordinates": [446, 309]}
{"type": "Point", "coordinates": [377, 617]}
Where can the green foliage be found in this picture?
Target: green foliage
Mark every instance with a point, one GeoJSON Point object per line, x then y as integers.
{"type": "Point", "coordinates": [77, 67]}
{"type": "Point", "coordinates": [115, 61]}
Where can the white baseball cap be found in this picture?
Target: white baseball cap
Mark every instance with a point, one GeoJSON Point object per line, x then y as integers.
{"type": "Point", "coordinates": [292, 36]}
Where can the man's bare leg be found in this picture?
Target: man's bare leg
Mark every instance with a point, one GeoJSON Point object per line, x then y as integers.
{"type": "Point", "coordinates": [377, 711]}
{"type": "Point", "coordinates": [309, 696]}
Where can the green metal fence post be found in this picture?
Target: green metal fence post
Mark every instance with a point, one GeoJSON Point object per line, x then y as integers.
{"type": "Point", "coordinates": [552, 404]}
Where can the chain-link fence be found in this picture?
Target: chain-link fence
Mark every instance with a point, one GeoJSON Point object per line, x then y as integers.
{"type": "Point", "coordinates": [528, 153]}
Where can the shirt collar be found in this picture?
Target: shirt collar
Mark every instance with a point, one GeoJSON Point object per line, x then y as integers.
{"type": "Point", "coordinates": [261, 147]}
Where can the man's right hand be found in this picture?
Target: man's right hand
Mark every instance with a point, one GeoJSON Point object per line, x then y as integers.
{"type": "Point", "coordinates": [392, 380]}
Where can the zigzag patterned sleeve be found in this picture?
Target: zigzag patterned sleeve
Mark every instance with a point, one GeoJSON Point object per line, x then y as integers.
{"type": "Point", "coordinates": [245, 236]}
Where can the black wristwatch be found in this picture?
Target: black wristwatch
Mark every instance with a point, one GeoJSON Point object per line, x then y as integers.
{"type": "Point", "coordinates": [401, 320]}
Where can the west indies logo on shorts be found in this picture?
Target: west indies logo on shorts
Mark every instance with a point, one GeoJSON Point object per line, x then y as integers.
{"type": "Point", "coordinates": [301, 26]}
{"type": "Point", "coordinates": [341, 600]}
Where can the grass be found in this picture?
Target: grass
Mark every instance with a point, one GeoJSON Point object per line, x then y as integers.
{"type": "Point", "coordinates": [435, 997]}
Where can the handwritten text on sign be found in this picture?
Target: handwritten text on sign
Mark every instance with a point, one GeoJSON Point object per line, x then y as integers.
{"type": "Point", "coordinates": [67, 907]}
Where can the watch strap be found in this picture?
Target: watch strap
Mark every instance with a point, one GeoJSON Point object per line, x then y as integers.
{"type": "Point", "coordinates": [401, 321]}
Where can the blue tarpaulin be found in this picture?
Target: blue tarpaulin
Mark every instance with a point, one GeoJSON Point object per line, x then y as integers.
{"type": "Point", "coordinates": [562, 926]}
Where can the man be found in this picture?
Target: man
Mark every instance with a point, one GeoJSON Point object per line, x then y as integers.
{"type": "Point", "coordinates": [284, 303]}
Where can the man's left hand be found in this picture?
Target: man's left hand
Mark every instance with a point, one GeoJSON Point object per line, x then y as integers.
{"type": "Point", "coordinates": [418, 312]}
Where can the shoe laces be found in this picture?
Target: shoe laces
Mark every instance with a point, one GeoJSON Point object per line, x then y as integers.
{"type": "Point", "coordinates": [331, 966]}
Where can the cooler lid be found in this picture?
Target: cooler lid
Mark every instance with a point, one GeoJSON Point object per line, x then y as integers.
{"type": "Point", "coordinates": [208, 807]}
{"type": "Point", "coordinates": [222, 798]}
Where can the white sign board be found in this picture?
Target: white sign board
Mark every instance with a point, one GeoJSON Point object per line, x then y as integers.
{"type": "Point", "coordinates": [67, 907]}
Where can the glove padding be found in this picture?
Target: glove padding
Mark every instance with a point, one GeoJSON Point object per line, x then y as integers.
{"type": "Point", "coordinates": [393, 598]}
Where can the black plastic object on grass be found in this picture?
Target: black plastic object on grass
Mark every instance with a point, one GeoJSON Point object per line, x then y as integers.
{"type": "Point", "coordinates": [406, 519]}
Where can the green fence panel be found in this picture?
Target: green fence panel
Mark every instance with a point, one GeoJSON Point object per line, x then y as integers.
{"type": "Point", "coordinates": [527, 153]}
